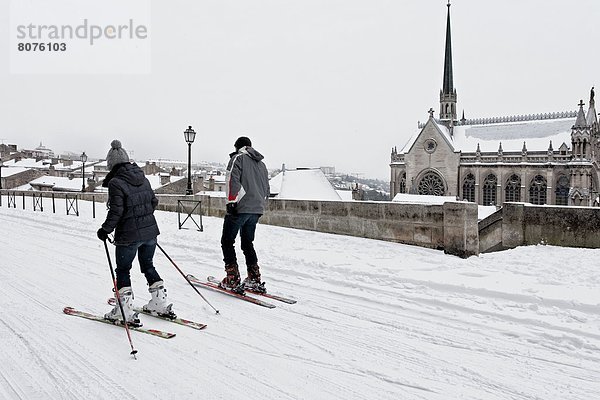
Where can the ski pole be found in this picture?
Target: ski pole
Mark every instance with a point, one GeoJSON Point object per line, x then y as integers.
{"type": "Point", "coordinates": [185, 277]}
{"type": "Point", "coordinates": [112, 273]}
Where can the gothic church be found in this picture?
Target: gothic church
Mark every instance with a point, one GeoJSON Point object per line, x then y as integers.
{"type": "Point", "coordinates": [541, 159]}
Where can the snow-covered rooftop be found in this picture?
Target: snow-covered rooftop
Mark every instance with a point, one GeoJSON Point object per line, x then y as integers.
{"type": "Point", "coordinates": [345, 195]}
{"type": "Point", "coordinates": [302, 184]}
{"type": "Point", "coordinates": [155, 180]}
{"type": "Point", "coordinates": [6, 172]}
{"type": "Point", "coordinates": [536, 134]}
{"type": "Point", "coordinates": [58, 183]}
{"type": "Point", "coordinates": [31, 163]}
{"type": "Point", "coordinates": [216, 178]}
{"type": "Point", "coordinates": [27, 163]}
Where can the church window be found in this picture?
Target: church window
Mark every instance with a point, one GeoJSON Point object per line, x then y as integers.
{"type": "Point", "coordinates": [562, 191]}
{"type": "Point", "coordinates": [537, 190]}
{"type": "Point", "coordinates": [489, 190]}
{"type": "Point", "coordinates": [469, 188]}
{"type": "Point", "coordinates": [430, 145]}
{"type": "Point", "coordinates": [403, 183]}
{"type": "Point", "coordinates": [512, 192]}
{"type": "Point", "coordinates": [431, 184]}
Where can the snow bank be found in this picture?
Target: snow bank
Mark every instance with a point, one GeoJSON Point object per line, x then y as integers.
{"type": "Point", "coordinates": [374, 320]}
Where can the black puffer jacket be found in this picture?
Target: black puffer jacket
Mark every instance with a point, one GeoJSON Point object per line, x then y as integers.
{"type": "Point", "coordinates": [131, 203]}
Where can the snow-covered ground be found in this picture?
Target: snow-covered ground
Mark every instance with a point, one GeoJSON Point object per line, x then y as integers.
{"type": "Point", "coordinates": [374, 320]}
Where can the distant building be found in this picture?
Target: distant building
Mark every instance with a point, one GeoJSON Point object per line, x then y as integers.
{"type": "Point", "coordinates": [6, 150]}
{"type": "Point", "coordinates": [541, 159]}
{"type": "Point", "coordinates": [328, 170]}
{"type": "Point", "coordinates": [40, 152]}
{"type": "Point", "coordinates": [215, 183]}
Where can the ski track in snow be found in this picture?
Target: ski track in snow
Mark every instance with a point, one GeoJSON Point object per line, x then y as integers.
{"type": "Point", "coordinates": [374, 320]}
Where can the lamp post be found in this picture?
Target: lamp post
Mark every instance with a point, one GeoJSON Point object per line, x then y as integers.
{"type": "Point", "coordinates": [83, 157]}
{"type": "Point", "coordinates": [189, 134]}
{"type": "Point", "coordinates": [1, 166]}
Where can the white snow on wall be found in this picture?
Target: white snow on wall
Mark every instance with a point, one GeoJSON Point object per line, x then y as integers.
{"type": "Point", "coordinates": [407, 198]}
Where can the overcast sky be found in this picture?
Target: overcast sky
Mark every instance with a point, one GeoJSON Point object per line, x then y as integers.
{"type": "Point", "coordinates": [311, 82]}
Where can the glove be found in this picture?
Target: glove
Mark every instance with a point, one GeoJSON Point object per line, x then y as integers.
{"type": "Point", "coordinates": [232, 208]}
{"type": "Point", "coordinates": [102, 234]}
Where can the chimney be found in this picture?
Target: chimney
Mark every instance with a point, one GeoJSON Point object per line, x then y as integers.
{"type": "Point", "coordinates": [164, 179]}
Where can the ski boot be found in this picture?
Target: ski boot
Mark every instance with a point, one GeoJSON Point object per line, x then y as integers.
{"type": "Point", "coordinates": [252, 282]}
{"type": "Point", "coordinates": [158, 304]}
{"type": "Point", "coordinates": [232, 280]}
{"type": "Point", "coordinates": [126, 297]}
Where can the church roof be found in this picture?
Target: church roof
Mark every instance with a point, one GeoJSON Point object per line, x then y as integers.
{"type": "Point", "coordinates": [580, 122]}
{"type": "Point", "coordinates": [537, 135]}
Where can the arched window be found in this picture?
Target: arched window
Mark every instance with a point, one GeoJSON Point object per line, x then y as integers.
{"type": "Point", "coordinates": [537, 190]}
{"type": "Point", "coordinates": [489, 190]}
{"type": "Point", "coordinates": [469, 188]}
{"type": "Point", "coordinates": [512, 191]}
{"type": "Point", "coordinates": [562, 191]}
{"type": "Point", "coordinates": [403, 183]}
{"type": "Point", "coordinates": [431, 184]}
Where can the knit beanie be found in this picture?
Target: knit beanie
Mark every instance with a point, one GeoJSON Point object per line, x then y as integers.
{"type": "Point", "coordinates": [241, 142]}
{"type": "Point", "coordinates": [116, 155]}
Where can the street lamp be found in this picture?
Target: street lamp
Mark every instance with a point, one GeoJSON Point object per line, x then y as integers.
{"type": "Point", "coordinates": [189, 134]}
{"type": "Point", "coordinates": [1, 166]}
{"type": "Point", "coordinates": [83, 159]}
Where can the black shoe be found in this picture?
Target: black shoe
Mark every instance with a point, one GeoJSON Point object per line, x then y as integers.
{"type": "Point", "coordinates": [254, 286]}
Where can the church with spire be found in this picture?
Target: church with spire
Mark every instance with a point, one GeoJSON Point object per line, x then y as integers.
{"type": "Point", "coordinates": [551, 158]}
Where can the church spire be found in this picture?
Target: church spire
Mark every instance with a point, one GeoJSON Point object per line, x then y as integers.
{"type": "Point", "coordinates": [448, 87]}
{"type": "Point", "coordinates": [448, 92]}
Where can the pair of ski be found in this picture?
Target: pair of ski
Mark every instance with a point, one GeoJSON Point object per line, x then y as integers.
{"type": "Point", "coordinates": [153, 332]}
{"type": "Point", "coordinates": [213, 283]}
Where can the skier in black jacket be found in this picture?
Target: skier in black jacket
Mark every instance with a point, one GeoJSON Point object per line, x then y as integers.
{"type": "Point", "coordinates": [131, 205]}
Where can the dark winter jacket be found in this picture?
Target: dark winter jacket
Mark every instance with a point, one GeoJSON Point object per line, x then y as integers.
{"type": "Point", "coordinates": [247, 181]}
{"type": "Point", "coordinates": [131, 203]}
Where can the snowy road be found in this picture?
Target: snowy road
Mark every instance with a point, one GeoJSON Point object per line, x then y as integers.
{"type": "Point", "coordinates": [374, 320]}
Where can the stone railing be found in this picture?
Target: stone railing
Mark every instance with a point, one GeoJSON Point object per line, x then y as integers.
{"type": "Point", "coordinates": [451, 227]}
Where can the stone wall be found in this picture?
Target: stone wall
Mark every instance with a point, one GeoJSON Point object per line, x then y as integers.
{"type": "Point", "coordinates": [451, 227]}
{"type": "Point", "coordinates": [526, 224]}
{"type": "Point", "coordinates": [21, 178]}
{"type": "Point", "coordinates": [521, 224]}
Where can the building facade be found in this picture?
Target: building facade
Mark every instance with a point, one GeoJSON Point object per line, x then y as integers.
{"type": "Point", "coordinates": [541, 159]}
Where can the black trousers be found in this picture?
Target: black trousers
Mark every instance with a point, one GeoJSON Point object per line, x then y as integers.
{"type": "Point", "coordinates": [245, 224]}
